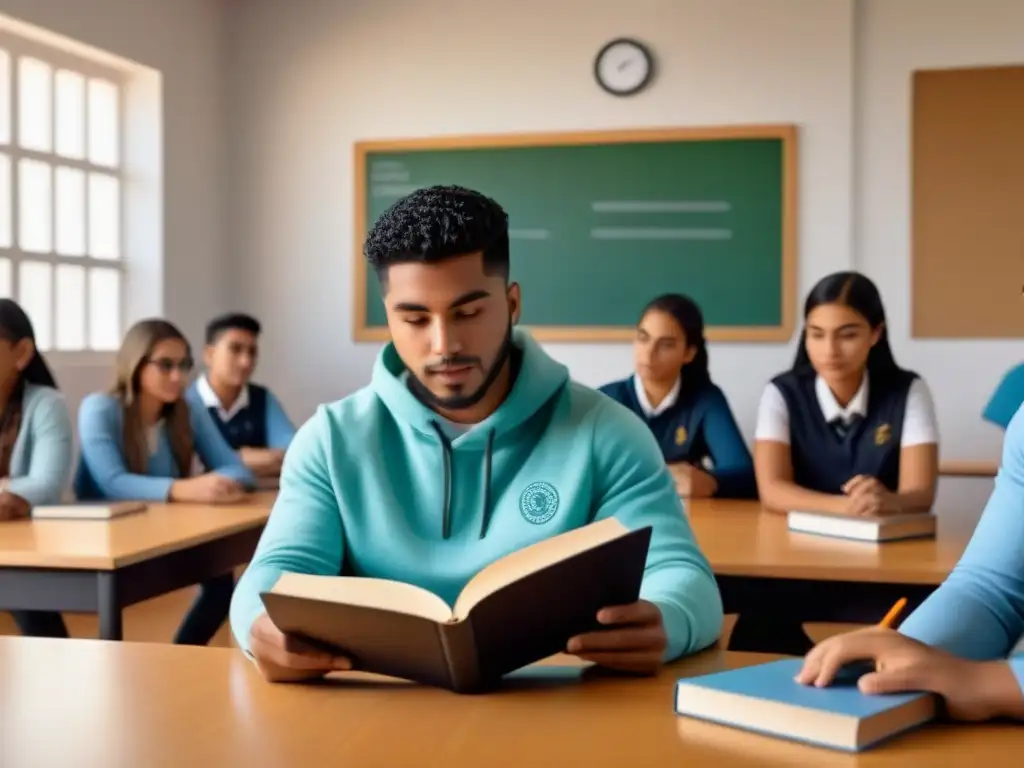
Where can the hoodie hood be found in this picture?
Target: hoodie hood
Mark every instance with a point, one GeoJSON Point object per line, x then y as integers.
{"type": "Point", "coordinates": [540, 377]}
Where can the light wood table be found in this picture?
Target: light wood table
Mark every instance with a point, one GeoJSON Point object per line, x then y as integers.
{"type": "Point", "coordinates": [778, 580]}
{"type": "Point", "coordinates": [92, 704]}
{"type": "Point", "coordinates": [96, 566]}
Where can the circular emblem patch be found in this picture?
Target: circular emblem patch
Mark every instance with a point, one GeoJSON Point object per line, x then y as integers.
{"type": "Point", "coordinates": [538, 502]}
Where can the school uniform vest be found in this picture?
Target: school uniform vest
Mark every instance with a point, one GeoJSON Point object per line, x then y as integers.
{"type": "Point", "coordinates": [248, 427]}
{"type": "Point", "coordinates": [824, 457]}
{"type": "Point", "coordinates": [678, 429]}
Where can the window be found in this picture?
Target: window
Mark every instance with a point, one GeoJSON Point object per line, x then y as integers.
{"type": "Point", "coordinates": [61, 194]}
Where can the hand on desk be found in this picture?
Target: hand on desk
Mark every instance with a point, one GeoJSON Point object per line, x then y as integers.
{"type": "Point", "coordinates": [635, 640]}
{"type": "Point", "coordinates": [867, 496]}
{"type": "Point", "coordinates": [210, 488]}
{"type": "Point", "coordinates": [972, 690]}
{"type": "Point", "coordinates": [283, 658]}
{"type": "Point", "coordinates": [692, 481]}
{"type": "Point", "coordinates": [264, 462]}
{"type": "Point", "coordinates": [13, 507]}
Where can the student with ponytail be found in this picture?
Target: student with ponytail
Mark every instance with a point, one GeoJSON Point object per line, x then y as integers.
{"type": "Point", "coordinates": [36, 446]}
{"type": "Point", "coordinates": [138, 442]}
{"type": "Point", "coordinates": [689, 416]}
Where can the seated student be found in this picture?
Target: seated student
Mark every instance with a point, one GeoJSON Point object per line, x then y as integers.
{"type": "Point", "coordinates": [846, 430]}
{"type": "Point", "coordinates": [688, 415]}
{"type": "Point", "coordinates": [1007, 398]}
{"type": "Point", "coordinates": [469, 443]}
{"type": "Point", "coordinates": [957, 643]}
{"type": "Point", "coordinates": [138, 441]}
{"type": "Point", "coordinates": [36, 446]}
{"type": "Point", "coordinates": [249, 416]}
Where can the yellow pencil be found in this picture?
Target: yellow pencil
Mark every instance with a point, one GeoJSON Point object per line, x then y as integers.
{"type": "Point", "coordinates": [893, 614]}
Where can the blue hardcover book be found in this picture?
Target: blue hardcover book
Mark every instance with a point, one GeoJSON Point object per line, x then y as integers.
{"type": "Point", "coordinates": [765, 698]}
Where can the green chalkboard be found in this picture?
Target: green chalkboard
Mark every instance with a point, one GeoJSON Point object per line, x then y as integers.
{"type": "Point", "coordinates": [600, 223]}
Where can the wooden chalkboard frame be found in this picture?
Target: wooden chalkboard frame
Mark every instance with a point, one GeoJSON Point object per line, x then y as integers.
{"type": "Point", "coordinates": [575, 334]}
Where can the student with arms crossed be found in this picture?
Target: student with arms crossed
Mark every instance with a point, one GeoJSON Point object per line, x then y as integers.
{"type": "Point", "coordinates": [248, 415]}
{"type": "Point", "coordinates": [36, 446]}
{"type": "Point", "coordinates": [468, 444]}
{"type": "Point", "coordinates": [687, 414]}
{"type": "Point", "coordinates": [957, 642]}
{"type": "Point", "coordinates": [138, 442]}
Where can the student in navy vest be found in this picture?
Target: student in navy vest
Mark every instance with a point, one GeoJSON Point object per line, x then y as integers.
{"type": "Point", "coordinates": [248, 415]}
{"type": "Point", "coordinates": [688, 415]}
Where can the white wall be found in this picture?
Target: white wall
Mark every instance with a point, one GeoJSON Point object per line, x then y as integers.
{"type": "Point", "coordinates": [304, 85]}
{"type": "Point", "coordinates": [184, 40]}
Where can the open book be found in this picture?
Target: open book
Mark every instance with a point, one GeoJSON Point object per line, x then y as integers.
{"type": "Point", "coordinates": [101, 511]}
{"type": "Point", "coordinates": [522, 608]}
{"type": "Point", "coordinates": [881, 528]}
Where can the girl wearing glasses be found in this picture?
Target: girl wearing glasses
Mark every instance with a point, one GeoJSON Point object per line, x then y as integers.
{"type": "Point", "coordinates": [138, 442]}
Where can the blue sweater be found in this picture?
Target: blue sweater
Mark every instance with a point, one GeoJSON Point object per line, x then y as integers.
{"type": "Point", "coordinates": [698, 428]}
{"type": "Point", "coordinates": [978, 612]}
{"type": "Point", "coordinates": [103, 474]}
{"type": "Point", "coordinates": [1006, 399]}
{"type": "Point", "coordinates": [371, 486]}
{"type": "Point", "coordinates": [263, 423]}
{"type": "Point", "coordinates": [44, 450]}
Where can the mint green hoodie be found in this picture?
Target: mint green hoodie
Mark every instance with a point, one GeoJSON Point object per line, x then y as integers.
{"type": "Point", "coordinates": [372, 483]}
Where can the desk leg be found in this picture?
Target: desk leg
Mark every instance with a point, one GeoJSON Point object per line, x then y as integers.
{"type": "Point", "coordinates": [109, 605]}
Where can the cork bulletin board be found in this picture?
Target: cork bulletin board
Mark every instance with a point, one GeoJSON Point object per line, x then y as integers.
{"type": "Point", "coordinates": [967, 177]}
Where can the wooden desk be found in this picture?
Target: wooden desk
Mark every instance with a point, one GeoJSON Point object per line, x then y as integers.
{"type": "Point", "coordinates": [969, 468]}
{"type": "Point", "coordinates": [778, 580]}
{"type": "Point", "coordinates": [103, 566]}
{"type": "Point", "coordinates": [122, 705]}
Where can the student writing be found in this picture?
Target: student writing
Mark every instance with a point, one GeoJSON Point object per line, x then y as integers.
{"type": "Point", "coordinates": [957, 642]}
{"type": "Point", "coordinates": [36, 445]}
{"type": "Point", "coordinates": [469, 443]}
{"type": "Point", "coordinates": [248, 415]}
{"type": "Point", "coordinates": [138, 442]}
{"type": "Point", "coordinates": [846, 429]}
{"type": "Point", "coordinates": [688, 415]}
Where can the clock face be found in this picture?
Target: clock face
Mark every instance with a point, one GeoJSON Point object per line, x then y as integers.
{"type": "Point", "coordinates": [623, 67]}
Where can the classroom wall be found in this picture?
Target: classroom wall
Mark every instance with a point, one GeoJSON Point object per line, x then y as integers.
{"type": "Point", "coordinates": [304, 86]}
{"type": "Point", "coordinates": [184, 40]}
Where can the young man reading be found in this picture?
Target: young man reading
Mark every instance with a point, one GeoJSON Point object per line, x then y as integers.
{"type": "Point", "coordinates": [470, 443]}
{"type": "Point", "coordinates": [248, 415]}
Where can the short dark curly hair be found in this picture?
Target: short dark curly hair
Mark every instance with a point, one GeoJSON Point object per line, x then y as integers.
{"type": "Point", "coordinates": [438, 223]}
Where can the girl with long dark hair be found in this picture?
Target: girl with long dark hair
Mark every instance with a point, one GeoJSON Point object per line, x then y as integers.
{"type": "Point", "coordinates": [36, 444]}
{"type": "Point", "coordinates": [689, 416]}
{"type": "Point", "coordinates": [846, 430]}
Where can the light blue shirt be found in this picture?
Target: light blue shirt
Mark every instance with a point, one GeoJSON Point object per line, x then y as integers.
{"type": "Point", "coordinates": [44, 449]}
{"type": "Point", "coordinates": [103, 473]}
{"type": "Point", "coordinates": [1007, 398]}
{"type": "Point", "coordinates": [978, 612]}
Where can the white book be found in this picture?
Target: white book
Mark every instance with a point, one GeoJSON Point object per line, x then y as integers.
{"type": "Point", "coordinates": [881, 528]}
{"type": "Point", "coordinates": [101, 511]}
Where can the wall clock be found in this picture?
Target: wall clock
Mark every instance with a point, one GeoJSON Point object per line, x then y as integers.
{"type": "Point", "coordinates": [623, 66]}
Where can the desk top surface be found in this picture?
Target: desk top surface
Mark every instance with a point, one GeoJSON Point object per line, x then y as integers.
{"type": "Point", "coordinates": [91, 703]}
{"type": "Point", "coordinates": [105, 545]}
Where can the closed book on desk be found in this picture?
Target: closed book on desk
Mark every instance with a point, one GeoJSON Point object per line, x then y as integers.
{"type": "Point", "coordinates": [101, 511]}
{"type": "Point", "coordinates": [881, 528]}
{"type": "Point", "coordinates": [765, 698]}
{"type": "Point", "coordinates": [518, 610]}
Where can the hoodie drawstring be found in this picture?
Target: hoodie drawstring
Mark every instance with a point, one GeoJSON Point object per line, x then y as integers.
{"type": "Point", "coordinates": [446, 459]}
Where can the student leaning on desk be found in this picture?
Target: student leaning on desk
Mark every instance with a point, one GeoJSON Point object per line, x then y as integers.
{"type": "Point", "coordinates": [846, 430]}
{"type": "Point", "coordinates": [36, 445]}
{"type": "Point", "coordinates": [138, 442]}
{"type": "Point", "coordinates": [469, 443]}
{"type": "Point", "coordinates": [957, 642]}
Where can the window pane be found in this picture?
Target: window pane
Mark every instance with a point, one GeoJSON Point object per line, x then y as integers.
{"type": "Point", "coordinates": [70, 202]}
{"type": "Point", "coordinates": [35, 104]}
{"type": "Point", "coordinates": [5, 202]}
{"type": "Point", "coordinates": [104, 135]}
{"type": "Point", "coordinates": [70, 125]}
{"type": "Point", "coordinates": [5, 97]}
{"type": "Point", "coordinates": [104, 309]}
{"type": "Point", "coordinates": [35, 202]}
{"type": "Point", "coordinates": [5, 278]}
{"type": "Point", "coordinates": [70, 306]}
{"type": "Point", "coordinates": [104, 216]}
{"type": "Point", "coordinates": [35, 288]}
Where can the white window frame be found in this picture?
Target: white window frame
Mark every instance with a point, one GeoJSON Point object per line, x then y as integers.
{"type": "Point", "coordinates": [57, 58]}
